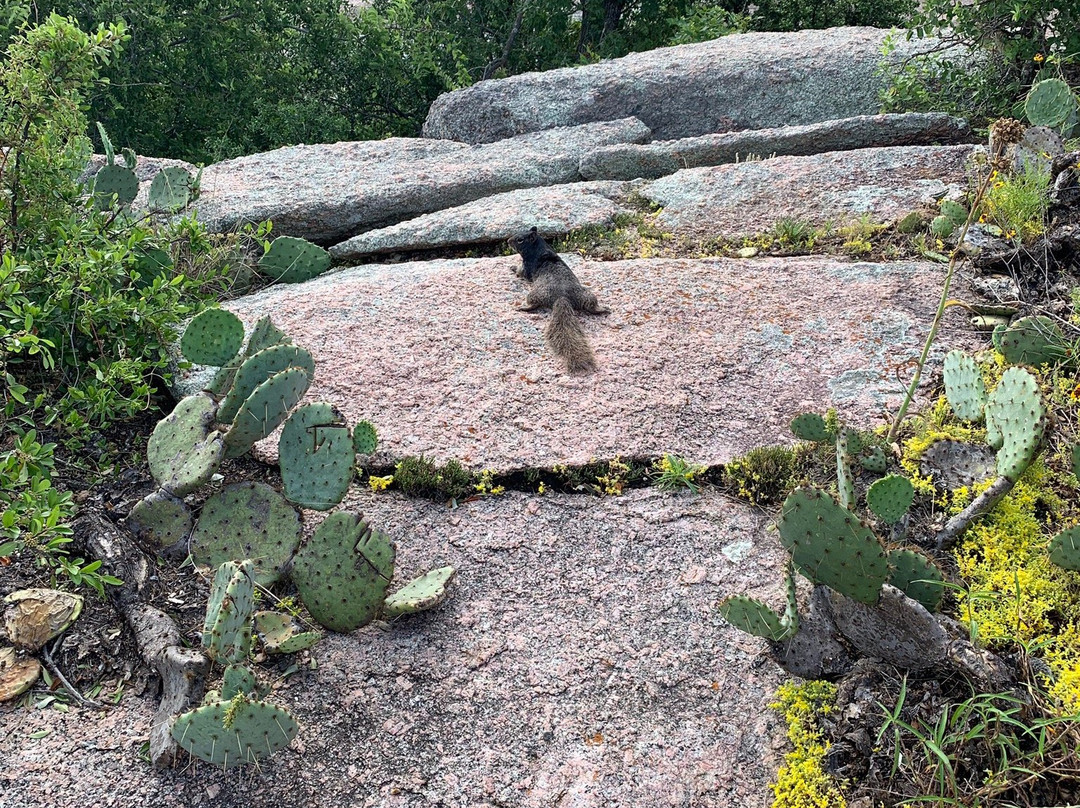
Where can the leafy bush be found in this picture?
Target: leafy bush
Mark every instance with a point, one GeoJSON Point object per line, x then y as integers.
{"type": "Point", "coordinates": [88, 298]}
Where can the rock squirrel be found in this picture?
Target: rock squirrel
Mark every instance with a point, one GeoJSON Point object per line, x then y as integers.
{"type": "Point", "coordinates": [555, 286]}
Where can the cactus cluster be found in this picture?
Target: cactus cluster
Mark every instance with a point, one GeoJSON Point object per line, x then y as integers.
{"type": "Point", "coordinates": [232, 726]}
{"type": "Point", "coordinates": [344, 570]}
{"type": "Point", "coordinates": [117, 185]}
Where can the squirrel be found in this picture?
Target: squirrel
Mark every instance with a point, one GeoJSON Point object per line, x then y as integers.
{"type": "Point", "coordinates": [555, 286]}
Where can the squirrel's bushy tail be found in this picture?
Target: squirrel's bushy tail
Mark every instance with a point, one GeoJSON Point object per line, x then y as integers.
{"type": "Point", "coordinates": [567, 340]}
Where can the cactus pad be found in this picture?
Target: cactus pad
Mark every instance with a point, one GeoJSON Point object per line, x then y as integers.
{"type": "Point", "coordinates": [953, 463]}
{"type": "Point", "coordinates": [343, 571]}
{"type": "Point", "coordinates": [263, 335]}
{"type": "Point", "coordinates": [229, 733]}
{"type": "Point", "coordinates": [1016, 413]}
{"type": "Point", "coordinates": [954, 212]}
{"type": "Point", "coordinates": [420, 594]}
{"type": "Point", "coordinates": [811, 427]}
{"type": "Point", "coordinates": [227, 628]}
{"type": "Point", "coordinates": [890, 497]}
{"type": "Point", "coordinates": [213, 337]}
{"type": "Point", "coordinates": [964, 387]}
{"type": "Point", "coordinates": [942, 227]}
{"type": "Point", "coordinates": [847, 441]}
{"type": "Point", "coordinates": [1034, 341]}
{"type": "Point", "coordinates": [160, 520]}
{"type": "Point", "coordinates": [875, 461]}
{"type": "Point", "coordinates": [364, 438]}
{"type": "Point", "coordinates": [264, 410]}
{"type": "Point", "coordinates": [247, 521]}
{"type": "Point", "coordinates": [256, 369]}
{"type": "Point", "coordinates": [1049, 103]}
{"type": "Point", "coordinates": [829, 545]}
{"type": "Point", "coordinates": [171, 190]}
{"type": "Point", "coordinates": [1065, 549]}
{"type": "Point", "coordinates": [293, 260]}
{"type": "Point", "coordinates": [754, 617]}
{"type": "Point", "coordinates": [316, 457]}
{"type": "Point", "coordinates": [237, 679]}
{"type": "Point", "coordinates": [115, 181]}
{"type": "Point", "coordinates": [280, 633]}
{"type": "Point", "coordinates": [916, 576]}
{"type": "Point", "coordinates": [183, 452]}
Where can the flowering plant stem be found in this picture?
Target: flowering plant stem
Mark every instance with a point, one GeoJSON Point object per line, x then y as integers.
{"type": "Point", "coordinates": [954, 256]}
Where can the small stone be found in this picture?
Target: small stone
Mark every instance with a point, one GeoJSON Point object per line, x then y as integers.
{"type": "Point", "coordinates": [748, 252]}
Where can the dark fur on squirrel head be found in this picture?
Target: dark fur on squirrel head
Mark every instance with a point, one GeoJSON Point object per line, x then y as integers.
{"type": "Point", "coordinates": [534, 252]}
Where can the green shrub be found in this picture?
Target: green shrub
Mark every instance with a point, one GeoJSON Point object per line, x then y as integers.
{"type": "Point", "coordinates": [88, 298]}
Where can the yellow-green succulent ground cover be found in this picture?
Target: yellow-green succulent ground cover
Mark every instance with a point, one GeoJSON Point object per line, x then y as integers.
{"type": "Point", "coordinates": [802, 782]}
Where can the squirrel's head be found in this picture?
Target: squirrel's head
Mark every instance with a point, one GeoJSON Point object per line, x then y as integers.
{"type": "Point", "coordinates": [519, 241]}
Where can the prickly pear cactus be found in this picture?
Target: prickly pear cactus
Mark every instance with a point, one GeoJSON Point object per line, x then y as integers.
{"type": "Point", "coordinates": [875, 461]}
{"type": "Point", "coordinates": [183, 451]}
{"type": "Point", "coordinates": [364, 438]}
{"type": "Point", "coordinates": [263, 335]}
{"type": "Point", "coordinates": [160, 520]}
{"type": "Point", "coordinates": [293, 260]}
{"type": "Point", "coordinates": [1034, 341]}
{"type": "Point", "coordinates": [916, 576]}
{"type": "Point", "coordinates": [890, 497]}
{"type": "Point", "coordinates": [115, 185]}
{"type": "Point", "coordinates": [280, 634]}
{"type": "Point", "coordinates": [754, 617]}
{"type": "Point", "coordinates": [229, 733]}
{"type": "Point", "coordinates": [264, 410]}
{"type": "Point", "coordinates": [1016, 416]}
{"type": "Point", "coordinates": [259, 367]}
{"type": "Point", "coordinates": [845, 481]}
{"type": "Point", "coordinates": [171, 190]}
{"type": "Point", "coordinates": [831, 546]}
{"type": "Point", "coordinates": [213, 337]}
{"type": "Point", "coordinates": [964, 387]}
{"type": "Point", "coordinates": [810, 426]}
{"type": "Point", "coordinates": [954, 212]}
{"type": "Point", "coordinates": [237, 679]}
{"type": "Point", "coordinates": [247, 520]}
{"type": "Point", "coordinates": [227, 629]}
{"type": "Point", "coordinates": [1049, 103]}
{"type": "Point", "coordinates": [1065, 549]}
{"type": "Point", "coordinates": [420, 594]}
{"type": "Point", "coordinates": [942, 227]}
{"type": "Point", "coordinates": [343, 571]}
{"type": "Point", "coordinates": [316, 456]}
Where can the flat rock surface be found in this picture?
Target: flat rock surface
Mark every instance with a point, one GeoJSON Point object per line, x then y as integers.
{"type": "Point", "coordinates": [580, 662]}
{"type": "Point", "coordinates": [837, 187]}
{"type": "Point", "coordinates": [554, 210]}
{"type": "Point", "coordinates": [705, 358]}
{"type": "Point", "coordinates": [330, 192]}
{"type": "Point", "coordinates": [650, 160]}
{"type": "Point", "coordinates": [743, 81]}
